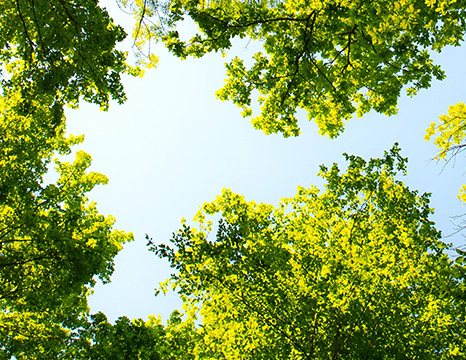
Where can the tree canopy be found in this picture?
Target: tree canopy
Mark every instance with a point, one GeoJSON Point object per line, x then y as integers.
{"type": "Point", "coordinates": [355, 271]}
{"type": "Point", "coordinates": [53, 242]}
{"type": "Point", "coordinates": [137, 339]}
{"type": "Point", "coordinates": [65, 49]}
{"type": "Point", "coordinates": [332, 59]}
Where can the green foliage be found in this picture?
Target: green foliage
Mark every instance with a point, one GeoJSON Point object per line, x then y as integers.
{"type": "Point", "coordinates": [97, 339]}
{"type": "Point", "coordinates": [49, 224]}
{"type": "Point", "coordinates": [332, 59]}
{"type": "Point", "coordinates": [354, 272]}
{"type": "Point", "coordinates": [123, 340]}
{"type": "Point", "coordinates": [52, 240]}
{"type": "Point", "coordinates": [449, 135]}
{"type": "Point", "coordinates": [450, 130]}
{"type": "Point", "coordinates": [65, 49]}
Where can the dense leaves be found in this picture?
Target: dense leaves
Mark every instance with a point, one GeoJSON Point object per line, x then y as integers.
{"type": "Point", "coordinates": [354, 272]}
{"type": "Point", "coordinates": [331, 58]}
{"type": "Point", "coordinates": [136, 339]}
{"type": "Point", "coordinates": [53, 242]}
{"type": "Point", "coordinates": [97, 339]}
{"type": "Point", "coordinates": [61, 48]}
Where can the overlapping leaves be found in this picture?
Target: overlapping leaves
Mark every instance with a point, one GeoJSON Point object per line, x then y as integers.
{"type": "Point", "coordinates": [344, 273]}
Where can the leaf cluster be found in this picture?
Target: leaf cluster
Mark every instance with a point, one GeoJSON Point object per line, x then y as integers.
{"type": "Point", "coordinates": [344, 273]}
{"type": "Point", "coordinates": [64, 49]}
{"type": "Point", "coordinates": [332, 59]}
{"type": "Point", "coordinates": [53, 242]}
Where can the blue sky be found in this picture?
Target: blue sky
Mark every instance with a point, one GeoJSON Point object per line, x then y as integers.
{"type": "Point", "coordinates": [172, 146]}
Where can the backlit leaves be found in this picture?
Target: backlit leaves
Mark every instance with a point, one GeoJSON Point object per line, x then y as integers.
{"type": "Point", "coordinates": [341, 273]}
{"type": "Point", "coordinates": [332, 59]}
{"type": "Point", "coordinates": [64, 49]}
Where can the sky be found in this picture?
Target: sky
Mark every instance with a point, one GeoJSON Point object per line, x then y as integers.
{"type": "Point", "coordinates": [172, 147]}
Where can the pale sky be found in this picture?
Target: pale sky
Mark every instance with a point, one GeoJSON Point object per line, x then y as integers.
{"type": "Point", "coordinates": [172, 146]}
